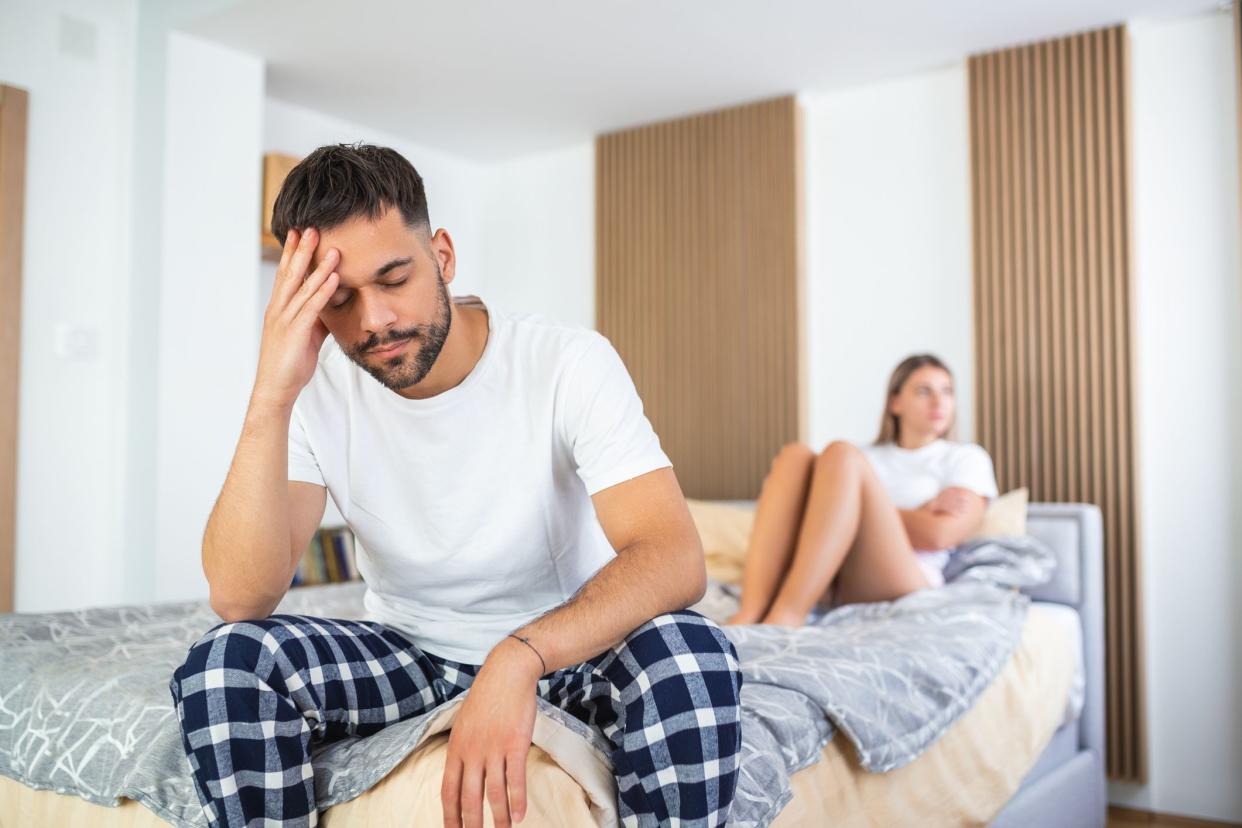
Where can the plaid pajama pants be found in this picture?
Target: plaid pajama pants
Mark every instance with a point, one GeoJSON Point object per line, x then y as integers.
{"type": "Point", "coordinates": [253, 696]}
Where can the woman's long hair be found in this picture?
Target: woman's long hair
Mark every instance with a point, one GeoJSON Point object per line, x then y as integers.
{"type": "Point", "coordinates": [890, 424]}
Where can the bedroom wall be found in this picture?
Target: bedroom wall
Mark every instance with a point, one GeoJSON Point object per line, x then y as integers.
{"type": "Point", "coordinates": [135, 553]}
{"type": "Point", "coordinates": [882, 161]}
{"type": "Point", "coordinates": [207, 317]}
{"type": "Point", "coordinates": [539, 234]}
{"type": "Point", "coordinates": [1188, 300]}
{"type": "Point", "coordinates": [888, 237]}
{"type": "Point", "coordinates": [76, 60]}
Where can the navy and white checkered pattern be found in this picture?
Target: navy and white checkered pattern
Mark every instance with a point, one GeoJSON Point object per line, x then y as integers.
{"type": "Point", "coordinates": [252, 696]}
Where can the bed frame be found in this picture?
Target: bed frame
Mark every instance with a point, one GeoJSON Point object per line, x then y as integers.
{"type": "Point", "coordinates": [1067, 785]}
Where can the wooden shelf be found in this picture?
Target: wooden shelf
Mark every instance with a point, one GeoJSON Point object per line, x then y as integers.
{"type": "Point", "coordinates": [276, 167]}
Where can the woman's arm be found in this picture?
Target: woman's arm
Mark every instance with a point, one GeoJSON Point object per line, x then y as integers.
{"type": "Point", "coordinates": [944, 521]}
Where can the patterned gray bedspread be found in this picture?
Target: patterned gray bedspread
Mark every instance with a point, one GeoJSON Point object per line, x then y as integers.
{"type": "Point", "coordinates": [85, 708]}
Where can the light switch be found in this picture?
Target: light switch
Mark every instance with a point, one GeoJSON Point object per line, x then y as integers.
{"type": "Point", "coordinates": [76, 342]}
{"type": "Point", "coordinates": [77, 37]}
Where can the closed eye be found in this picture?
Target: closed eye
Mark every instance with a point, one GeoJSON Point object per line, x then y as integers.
{"type": "Point", "coordinates": [345, 301]}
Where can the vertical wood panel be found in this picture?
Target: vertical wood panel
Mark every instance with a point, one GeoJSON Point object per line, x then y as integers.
{"type": "Point", "coordinates": [1049, 127]}
{"type": "Point", "coordinates": [698, 281]}
{"type": "Point", "coordinates": [13, 110]}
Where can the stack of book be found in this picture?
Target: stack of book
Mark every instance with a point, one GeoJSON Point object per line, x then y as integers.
{"type": "Point", "coordinates": [330, 558]}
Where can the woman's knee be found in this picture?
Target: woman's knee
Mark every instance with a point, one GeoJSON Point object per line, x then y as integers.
{"type": "Point", "coordinates": [839, 453]}
{"type": "Point", "coordinates": [795, 455]}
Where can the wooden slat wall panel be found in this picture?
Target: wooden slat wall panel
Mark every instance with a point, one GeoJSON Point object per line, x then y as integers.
{"type": "Point", "coordinates": [1052, 289]}
{"type": "Point", "coordinates": [698, 275]}
{"type": "Point", "coordinates": [14, 104]}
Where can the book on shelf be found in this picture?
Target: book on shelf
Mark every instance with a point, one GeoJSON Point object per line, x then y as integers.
{"type": "Point", "coordinates": [330, 558]}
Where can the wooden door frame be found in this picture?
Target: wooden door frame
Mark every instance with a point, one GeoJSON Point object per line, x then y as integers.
{"type": "Point", "coordinates": [13, 110]}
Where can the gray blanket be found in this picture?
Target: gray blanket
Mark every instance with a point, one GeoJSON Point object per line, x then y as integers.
{"type": "Point", "coordinates": [85, 709]}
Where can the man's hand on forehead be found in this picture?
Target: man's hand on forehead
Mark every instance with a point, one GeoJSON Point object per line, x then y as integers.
{"type": "Point", "coordinates": [292, 329]}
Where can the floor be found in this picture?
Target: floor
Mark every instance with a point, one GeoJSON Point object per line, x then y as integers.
{"type": "Point", "coordinates": [1128, 818]}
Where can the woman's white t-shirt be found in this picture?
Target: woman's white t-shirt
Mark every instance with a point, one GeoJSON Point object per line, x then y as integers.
{"type": "Point", "coordinates": [473, 507]}
{"type": "Point", "coordinates": [914, 476]}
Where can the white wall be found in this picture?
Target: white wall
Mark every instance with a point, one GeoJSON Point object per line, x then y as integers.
{"type": "Point", "coordinates": [1188, 301]}
{"type": "Point", "coordinates": [138, 552]}
{"type": "Point", "coordinates": [76, 61]}
{"type": "Point", "coordinates": [208, 317]}
{"type": "Point", "coordinates": [539, 230]}
{"type": "Point", "coordinates": [888, 245]}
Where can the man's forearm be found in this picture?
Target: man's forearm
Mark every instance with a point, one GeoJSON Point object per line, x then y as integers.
{"type": "Point", "coordinates": [246, 549]}
{"type": "Point", "coordinates": [642, 582]}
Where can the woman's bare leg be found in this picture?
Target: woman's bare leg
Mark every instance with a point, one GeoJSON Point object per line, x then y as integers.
{"type": "Point", "coordinates": [850, 531]}
{"type": "Point", "coordinates": [777, 518]}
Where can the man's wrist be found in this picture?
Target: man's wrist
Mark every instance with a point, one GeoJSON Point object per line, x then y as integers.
{"type": "Point", "coordinates": [265, 407]}
{"type": "Point", "coordinates": [518, 656]}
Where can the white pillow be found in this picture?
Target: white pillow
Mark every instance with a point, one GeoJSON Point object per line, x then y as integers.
{"type": "Point", "coordinates": [725, 532]}
{"type": "Point", "coordinates": [1005, 516]}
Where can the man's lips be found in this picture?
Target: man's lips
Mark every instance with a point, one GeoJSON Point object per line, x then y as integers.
{"type": "Point", "coordinates": [389, 350]}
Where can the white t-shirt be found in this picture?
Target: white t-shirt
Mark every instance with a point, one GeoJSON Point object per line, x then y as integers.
{"type": "Point", "coordinates": [914, 476]}
{"type": "Point", "coordinates": [472, 508]}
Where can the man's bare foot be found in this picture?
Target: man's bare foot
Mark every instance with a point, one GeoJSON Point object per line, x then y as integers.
{"type": "Point", "coordinates": [742, 618]}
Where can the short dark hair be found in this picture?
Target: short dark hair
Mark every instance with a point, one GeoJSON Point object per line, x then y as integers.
{"type": "Point", "coordinates": [343, 181]}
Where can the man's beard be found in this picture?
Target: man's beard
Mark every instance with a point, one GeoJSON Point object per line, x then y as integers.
{"type": "Point", "coordinates": [409, 370]}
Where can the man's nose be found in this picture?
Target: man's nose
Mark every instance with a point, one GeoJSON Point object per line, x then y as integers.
{"type": "Point", "coordinates": [375, 315]}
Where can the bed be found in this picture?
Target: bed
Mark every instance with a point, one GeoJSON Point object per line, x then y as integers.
{"type": "Point", "coordinates": [1046, 769]}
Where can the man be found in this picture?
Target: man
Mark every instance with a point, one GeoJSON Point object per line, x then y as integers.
{"type": "Point", "coordinates": [522, 535]}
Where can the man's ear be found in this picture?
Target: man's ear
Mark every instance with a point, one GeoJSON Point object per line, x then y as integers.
{"type": "Point", "coordinates": [441, 245]}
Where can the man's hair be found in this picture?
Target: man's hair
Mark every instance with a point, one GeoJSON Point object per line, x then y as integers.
{"type": "Point", "coordinates": [340, 182]}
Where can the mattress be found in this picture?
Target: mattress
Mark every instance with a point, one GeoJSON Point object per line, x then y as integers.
{"type": "Point", "coordinates": [963, 779]}
{"type": "Point", "coordinates": [1070, 622]}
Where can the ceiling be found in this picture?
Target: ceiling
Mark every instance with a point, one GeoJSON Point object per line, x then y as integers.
{"type": "Point", "coordinates": [493, 79]}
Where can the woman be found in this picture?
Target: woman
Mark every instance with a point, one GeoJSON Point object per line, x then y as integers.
{"type": "Point", "coordinates": [869, 524]}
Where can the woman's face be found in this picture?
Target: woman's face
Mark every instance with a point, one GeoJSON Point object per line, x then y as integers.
{"type": "Point", "coordinates": [925, 403]}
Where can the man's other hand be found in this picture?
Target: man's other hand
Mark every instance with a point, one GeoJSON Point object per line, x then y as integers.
{"type": "Point", "coordinates": [490, 740]}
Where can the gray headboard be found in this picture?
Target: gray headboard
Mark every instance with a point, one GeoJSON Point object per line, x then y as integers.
{"type": "Point", "coordinates": [1075, 533]}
